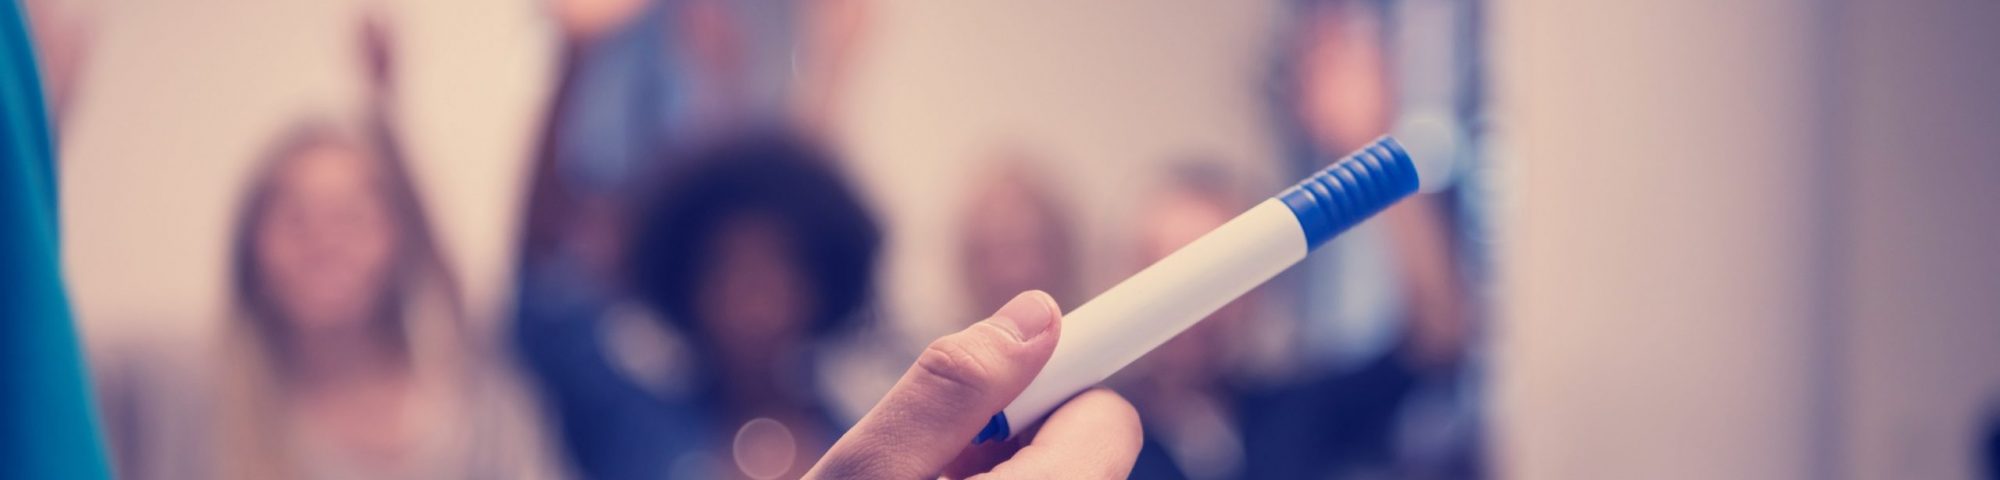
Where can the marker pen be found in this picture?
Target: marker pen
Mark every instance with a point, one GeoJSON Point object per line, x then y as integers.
{"type": "Point", "coordinates": [1116, 328]}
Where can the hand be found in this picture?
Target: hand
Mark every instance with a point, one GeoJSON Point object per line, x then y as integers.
{"type": "Point", "coordinates": [584, 20]}
{"type": "Point", "coordinates": [924, 427]}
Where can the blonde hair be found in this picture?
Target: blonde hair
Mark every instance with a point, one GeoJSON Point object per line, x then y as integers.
{"type": "Point", "coordinates": [252, 434]}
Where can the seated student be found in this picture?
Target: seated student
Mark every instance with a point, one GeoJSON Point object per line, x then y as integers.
{"type": "Point", "coordinates": [757, 252]}
{"type": "Point", "coordinates": [348, 357]}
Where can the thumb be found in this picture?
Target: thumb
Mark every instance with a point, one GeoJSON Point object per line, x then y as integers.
{"type": "Point", "coordinates": [958, 383]}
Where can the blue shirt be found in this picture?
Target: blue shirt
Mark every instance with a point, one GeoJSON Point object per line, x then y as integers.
{"type": "Point", "coordinates": [48, 428]}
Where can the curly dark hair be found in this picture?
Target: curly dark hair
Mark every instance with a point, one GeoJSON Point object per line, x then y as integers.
{"type": "Point", "coordinates": [768, 173]}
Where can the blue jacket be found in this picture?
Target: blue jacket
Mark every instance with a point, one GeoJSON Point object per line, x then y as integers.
{"type": "Point", "coordinates": [48, 427]}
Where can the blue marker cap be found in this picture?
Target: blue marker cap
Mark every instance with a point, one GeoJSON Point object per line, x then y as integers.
{"type": "Point", "coordinates": [1351, 190]}
{"type": "Point", "coordinates": [996, 429]}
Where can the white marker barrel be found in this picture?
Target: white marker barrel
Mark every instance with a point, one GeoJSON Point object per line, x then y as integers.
{"type": "Point", "coordinates": [1137, 315]}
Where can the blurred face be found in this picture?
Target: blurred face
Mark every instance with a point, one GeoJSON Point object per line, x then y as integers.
{"type": "Point", "coordinates": [1012, 246]}
{"type": "Point", "coordinates": [753, 297]}
{"type": "Point", "coordinates": [1345, 84]}
{"type": "Point", "coordinates": [326, 241]}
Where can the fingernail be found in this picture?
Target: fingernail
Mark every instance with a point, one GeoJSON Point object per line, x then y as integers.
{"type": "Point", "coordinates": [1028, 314]}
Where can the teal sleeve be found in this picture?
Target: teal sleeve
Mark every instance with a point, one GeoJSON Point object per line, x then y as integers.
{"type": "Point", "coordinates": [48, 424]}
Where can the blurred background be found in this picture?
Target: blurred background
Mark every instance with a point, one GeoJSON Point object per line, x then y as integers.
{"type": "Point", "coordinates": [699, 238]}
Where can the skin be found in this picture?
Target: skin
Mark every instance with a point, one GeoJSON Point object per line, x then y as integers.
{"type": "Point", "coordinates": [330, 239]}
{"type": "Point", "coordinates": [63, 37]}
{"type": "Point", "coordinates": [326, 242]}
{"type": "Point", "coordinates": [325, 247]}
{"type": "Point", "coordinates": [588, 20]}
{"type": "Point", "coordinates": [1346, 90]}
{"type": "Point", "coordinates": [1347, 101]}
{"type": "Point", "coordinates": [836, 32]}
{"type": "Point", "coordinates": [922, 428]}
{"type": "Point", "coordinates": [753, 300]}
{"type": "Point", "coordinates": [753, 304]}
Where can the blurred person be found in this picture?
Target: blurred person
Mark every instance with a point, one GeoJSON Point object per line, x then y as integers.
{"type": "Point", "coordinates": [785, 60]}
{"type": "Point", "coordinates": [47, 426]}
{"type": "Point", "coordinates": [636, 79]}
{"type": "Point", "coordinates": [1391, 292]}
{"type": "Point", "coordinates": [348, 356]}
{"type": "Point", "coordinates": [64, 32]}
{"type": "Point", "coordinates": [1340, 97]}
{"type": "Point", "coordinates": [760, 254]}
{"type": "Point", "coordinates": [1093, 435]}
{"type": "Point", "coordinates": [1345, 97]}
{"type": "Point", "coordinates": [1015, 236]}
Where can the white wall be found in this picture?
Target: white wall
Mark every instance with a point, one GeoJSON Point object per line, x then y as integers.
{"type": "Point", "coordinates": [1657, 265]}
{"type": "Point", "coordinates": [1750, 239]}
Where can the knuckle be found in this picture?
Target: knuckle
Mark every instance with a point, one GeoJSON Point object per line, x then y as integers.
{"type": "Point", "coordinates": [954, 368]}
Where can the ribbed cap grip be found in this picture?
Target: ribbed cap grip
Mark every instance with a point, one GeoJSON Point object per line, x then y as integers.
{"type": "Point", "coordinates": [1351, 190]}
